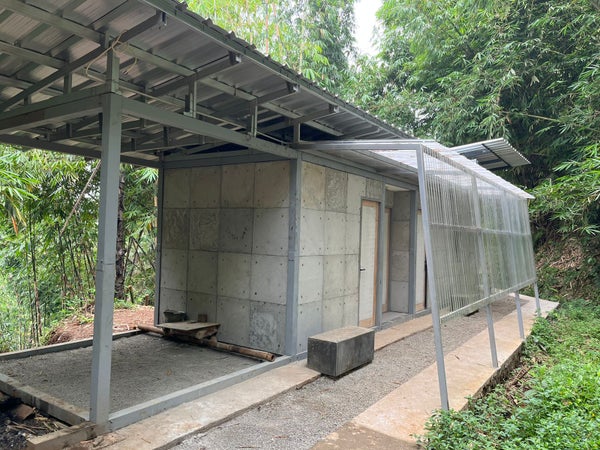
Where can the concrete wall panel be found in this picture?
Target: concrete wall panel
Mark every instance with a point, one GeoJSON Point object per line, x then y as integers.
{"type": "Point", "coordinates": [399, 296]}
{"type": "Point", "coordinates": [400, 263]}
{"type": "Point", "coordinates": [175, 228]}
{"type": "Point", "coordinates": [271, 232]}
{"type": "Point", "coordinates": [310, 284]}
{"type": "Point", "coordinates": [205, 187]}
{"type": "Point", "coordinates": [237, 186]}
{"type": "Point", "coordinates": [268, 281]}
{"type": "Point", "coordinates": [356, 191]}
{"type": "Point", "coordinates": [202, 275]}
{"type": "Point", "coordinates": [335, 233]}
{"type": "Point", "coordinates": [272, 185]}
{"type": "Point", "coordinates": [336, 190]}
{"type": "Point", "coordinates": [309, 323]}
{"type": "Point", "coordinates": [204, 229]}
{"type": "Point", "coordinates": [313, 186]}
{"type": "Point", "coordinates": [174, 269]}
{"type": "Point", "coordinates": [234, 316]}
{"type": "Point", "coordinates": [401, 209]}
{"type": "Point", "coordinates": [351, 310]}
{"type": "Point", "coordinates": [333, 276]}
{"type": "Point", "coordinates": [312, 230]}
{"type": "Point", "coordinates": [351, 274]}
{"type": "Point", "coordinates": [177, 189]}
{"type": "Point", "coordinates": [373, 189]}
{"type": "Point", "coordinates": [171, 299]}
{"type": "Point", "coordinates": [333, 313]}
{"type": "Point", "coordinates": [267, 326]}
{"type": "Point", "coordinates": [235, 230]}
{"type": "Point", "coordinates": [233, 278]}
{"type": "Point", "coordinates": [199, 303]}
{"type": "Point", "coordinates": [352, 234]}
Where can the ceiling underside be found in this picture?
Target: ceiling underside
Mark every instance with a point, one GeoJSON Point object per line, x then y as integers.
{"type": "Point", "coordinates": [190, 89]}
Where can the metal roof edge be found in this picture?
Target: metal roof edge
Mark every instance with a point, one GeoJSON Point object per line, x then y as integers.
{"type": "Point", "coordinates": [233, 43]}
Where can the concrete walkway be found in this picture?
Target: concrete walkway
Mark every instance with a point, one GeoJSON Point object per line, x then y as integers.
{"type": "Point", "coordinates": [389, 423]}
{"type": "Point", "coordinates": [394, 420]}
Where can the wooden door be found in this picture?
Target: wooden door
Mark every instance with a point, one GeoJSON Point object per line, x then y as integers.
{"type": "Point", "coordinates": [369, 224]}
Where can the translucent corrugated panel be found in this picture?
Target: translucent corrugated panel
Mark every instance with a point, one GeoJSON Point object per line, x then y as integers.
{"type": "Point", "coordinates": [479, 236]}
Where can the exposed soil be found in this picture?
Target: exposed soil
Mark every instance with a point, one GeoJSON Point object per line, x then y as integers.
{"type": "Point", "coordinates": [14, 433]}
{"type": "Point", "coordinates": [81, 326]}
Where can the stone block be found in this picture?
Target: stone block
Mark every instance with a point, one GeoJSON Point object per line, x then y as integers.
{"type": "Point", "coordinates": [233, 279]}
{"type": "Point", "coordinates": [173, 269]}
{"type": "Point", "coordinates": [310, 279]}
{"type": "Point", "coordinates": [336, 190]}
{"type": "Point", "coordinates": [234, 316]}
{"type": "Point", "coordinates": [313, 186]}
{"type": "Point", "coordinates": [356, 192]}
{"type": "Point", "coordinates": [333, 313]}
{"type": "Point", "coordinates": [271, 231]}
{"type": "Point", "coordinates": [204, 229]}
{"type": "Point", "coordinates": [176, 188]}
{"type": "Point", "coordinates": [335, 233]}
{"type": "Point", "coordinates": [312, 229]}
{"type": "Point", "coordinates": [268, 281]}
{"type": "Point", "coordinates": [309, 323]}
{"type": "Point", "coordinates": [202, 272]}
{"type": "Point", "coordinates": [235, 230]}
{"type": "Point", "coordinates": [272, 185]}
{"type": "Point", "coordinates": [334, 271]}
{"type": "Point", "coordinates": [352, 234]}
{"type": "Point", "coordinates": [339, 351]}
{"type": "Point", "coordinates": [267, 327]}
{"type": "Point", "coordinates": [205, 187]}
{"type": "Point", "coordinates": [237, 186]}
{"type": "Point", "coordinates": [175, 226]}
{"type": "Point", "coordinates": [199, 303]}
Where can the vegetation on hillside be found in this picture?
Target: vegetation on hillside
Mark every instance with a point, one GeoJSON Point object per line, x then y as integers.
{"type": "Point", "coordinates": [552, 401]}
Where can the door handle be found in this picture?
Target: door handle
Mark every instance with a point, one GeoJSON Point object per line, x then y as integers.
{"type": "Point", "coordinates": [362, 269]}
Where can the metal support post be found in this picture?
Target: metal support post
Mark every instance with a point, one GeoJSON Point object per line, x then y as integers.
{"type": "Point", "coordinates": [484, 271]}
{"type": "Point", "coordinates": [435, 313]}
{"type": "Point", "coordinates": [519, 315]}
{"type": "Point", "coordinates": [293, 273]}
{"type": "Point", "coordinates": [380, 259]}
{"type": "Point", "coordinates": [107, 244]}
{"type": "Point", "coordinates": [538, 308]}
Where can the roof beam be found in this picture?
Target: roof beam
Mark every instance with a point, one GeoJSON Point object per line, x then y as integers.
{"type": "Point", "coordinates": [209, 69]}
{"type": "Point", "coordinates": [269, 97]}
{"type": "Point", "coordinates": [331, 109]}
{"type": "Point", "coordinates": [168, 118]}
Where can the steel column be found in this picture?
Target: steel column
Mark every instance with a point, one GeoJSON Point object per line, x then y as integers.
{"type": "Point", "coordinates": [107, 244]}
{"type": "Point", "coordinates": [435, 313]}
{"type": "Point", "coordinates": [293, 273]}
{"type": "Point", "coordinates": [519, 315]}
{"type": "Point", "coordinates": [538, 308]}
{"type": "Point", "coordinates": [380, 260]}
{"type": "Point", "coordinates": [412, 255]}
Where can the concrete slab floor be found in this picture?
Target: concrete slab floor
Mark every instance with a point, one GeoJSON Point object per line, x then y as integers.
{"type": "Point", "coordinates": [144, 367]}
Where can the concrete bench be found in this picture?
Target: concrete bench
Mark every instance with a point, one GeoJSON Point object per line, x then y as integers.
{"type": "Point", "coordinates": [339, 351]}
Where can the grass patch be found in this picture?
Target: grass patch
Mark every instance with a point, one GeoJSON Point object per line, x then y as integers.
{"type": "Point", "coordinates": [552, 401]}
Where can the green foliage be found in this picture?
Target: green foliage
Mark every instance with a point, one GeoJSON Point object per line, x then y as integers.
{"type": "Point", "coordinates": [558, 405]}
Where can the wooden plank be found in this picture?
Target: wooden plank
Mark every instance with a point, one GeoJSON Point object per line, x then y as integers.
{"type": "Point", "coordinates": [188, 326]}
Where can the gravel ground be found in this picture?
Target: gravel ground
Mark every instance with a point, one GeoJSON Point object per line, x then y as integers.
{"type": "Point", "coordinates": [299, 419]}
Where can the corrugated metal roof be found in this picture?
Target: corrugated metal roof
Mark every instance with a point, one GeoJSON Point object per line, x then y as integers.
{"type": "Point", "coordinates": [493, 154]}
{"type": "Point", "coordinates": [162, 47]}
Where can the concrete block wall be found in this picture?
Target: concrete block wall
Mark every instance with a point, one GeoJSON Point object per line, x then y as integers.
{"type": "Point", "coordinates": [400, 253]}
{"type": "Point", "coordinates": [329, 248]}
{"type": "Point", "coordinates": [225, 249]}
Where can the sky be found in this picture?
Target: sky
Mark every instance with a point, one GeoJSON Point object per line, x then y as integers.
{"type": "Point", "coordinates": [364, 12]}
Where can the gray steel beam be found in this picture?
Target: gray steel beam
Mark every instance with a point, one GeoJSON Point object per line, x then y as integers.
{"type": "Point", "coordinates": [61, 108]}
{"type": "Point", "coordinates": [266, 98]}
{"type": "Point", "coordinates": [412, 254]}
{"type": "Point", "coordinates": [331, 109]}
{"type": "Point", "coordinates": [107, 243]}
{"type": "Point", "coordinates": [380, 259]}
{"type": "Point", "coordinates": [293, 273]}
{"type": "Point", "coordinates": [145, 111]}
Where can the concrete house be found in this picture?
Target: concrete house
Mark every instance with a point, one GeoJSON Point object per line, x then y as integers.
{"type": "Point", "coordinates": [283, 210]}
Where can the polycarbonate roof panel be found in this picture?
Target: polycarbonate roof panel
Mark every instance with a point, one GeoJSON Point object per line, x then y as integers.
{"type": "Point", "coordinates": [493, 154]}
